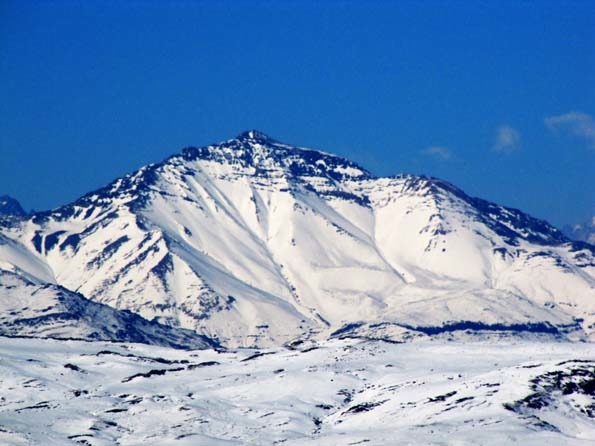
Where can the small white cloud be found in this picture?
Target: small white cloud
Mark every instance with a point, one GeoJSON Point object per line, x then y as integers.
{"type": "Point", "coordinates": [437, 152]}
{"type": "Point", "coordinates": [508, 140]}
{"type": "Point", "coordinates": [576, 123]}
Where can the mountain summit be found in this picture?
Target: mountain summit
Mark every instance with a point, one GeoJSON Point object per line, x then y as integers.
{"type": "Point", "coordinates": [254, 135]}
{"type": "Point", "coordinates": [253, 242]}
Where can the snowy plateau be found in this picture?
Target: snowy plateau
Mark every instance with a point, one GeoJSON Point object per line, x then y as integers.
{"type": "Point", "coordinates": [252, 292]}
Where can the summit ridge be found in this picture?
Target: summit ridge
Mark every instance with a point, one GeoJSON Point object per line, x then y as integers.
{"type": "Point", "coordinates": [254, 135]}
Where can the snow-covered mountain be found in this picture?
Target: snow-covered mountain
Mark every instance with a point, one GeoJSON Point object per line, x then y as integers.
{"type": "Point", "coordinates": [254, 242]}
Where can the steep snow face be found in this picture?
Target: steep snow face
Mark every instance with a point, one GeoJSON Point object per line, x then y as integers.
{"type": "Point", "coordinates": [28, 309]}
{"type": "Point", "coordinates": [336, 393]}
{"type": "Point", "coordinates": [256, 243]}
{"type": "Point", "coordinates": [16, 258]}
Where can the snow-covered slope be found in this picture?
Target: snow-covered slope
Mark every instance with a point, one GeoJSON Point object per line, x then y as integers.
{"type": "Point", "coordinates": [29, 309]}
{"type": "Point", "coordinates": [255, 242]}
{"type": "Point", "coordinates": [338, 393]}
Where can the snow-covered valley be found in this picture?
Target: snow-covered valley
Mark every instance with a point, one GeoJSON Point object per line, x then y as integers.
{"type": "Point", "coordinates": [341, 392]}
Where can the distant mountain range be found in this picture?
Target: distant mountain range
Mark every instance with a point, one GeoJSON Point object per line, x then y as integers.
{"type": "Point", "coordinates": [254, 242]}
{"type": "Point", "coordinates": [584, 231]}
{"type": "Point", "coordinates": [10, 206]}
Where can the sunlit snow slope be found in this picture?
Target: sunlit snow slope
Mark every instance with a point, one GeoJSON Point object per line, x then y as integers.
{"type": "Point", "coordinates": [255, 242]}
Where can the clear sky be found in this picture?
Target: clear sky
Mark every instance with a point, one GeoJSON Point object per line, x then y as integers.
{"type": "Point", "coordinates": [496, 97]}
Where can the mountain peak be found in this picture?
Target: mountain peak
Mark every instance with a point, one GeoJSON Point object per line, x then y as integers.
{"type": "Point", "coordinates": [10, 206]}
{"type": "Point", "coordinates": [254, 135]}
{"type": "Point", "coordinates": [253, 149]}
{"type": "Point", "coordinates": [261, 243]}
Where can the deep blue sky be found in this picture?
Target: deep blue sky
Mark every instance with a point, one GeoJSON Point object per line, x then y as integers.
{"type": "Point", "coordinates": [459, 90]}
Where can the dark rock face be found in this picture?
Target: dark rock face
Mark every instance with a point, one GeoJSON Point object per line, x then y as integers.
{"type": "Point", "coordinates": [252, 148]}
